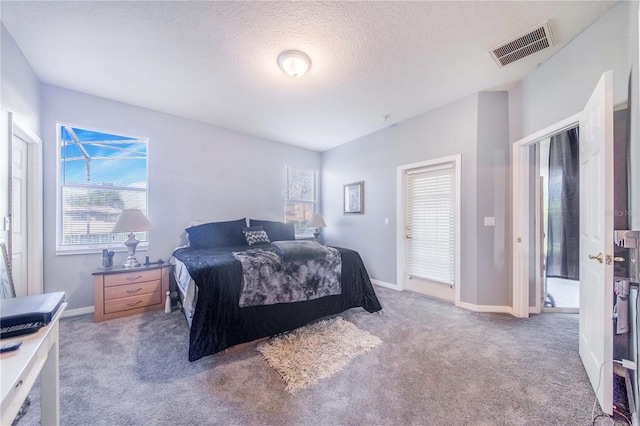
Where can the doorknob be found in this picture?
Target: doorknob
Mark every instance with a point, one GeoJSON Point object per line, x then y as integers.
{"type": "Point", "coordinates": [598, 257]}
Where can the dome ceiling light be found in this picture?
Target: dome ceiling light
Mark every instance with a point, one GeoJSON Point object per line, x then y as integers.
{"type": "Point", "coordinates": [294, 63]}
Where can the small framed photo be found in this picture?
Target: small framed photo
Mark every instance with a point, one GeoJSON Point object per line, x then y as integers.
{"type": "Point", "coordinates": [354, 198]}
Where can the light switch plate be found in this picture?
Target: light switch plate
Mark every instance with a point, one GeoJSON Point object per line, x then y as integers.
{"type": "Point", "coordinates": [386, 220]}
{"type": "Point", "coordinates": [490, 221]}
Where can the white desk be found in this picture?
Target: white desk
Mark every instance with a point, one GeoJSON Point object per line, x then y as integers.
{"type": "Point", "coordinates": [19, 369]}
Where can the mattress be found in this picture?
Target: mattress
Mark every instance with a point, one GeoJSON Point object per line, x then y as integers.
{"type": "Point", "coordinates": [187, 288]}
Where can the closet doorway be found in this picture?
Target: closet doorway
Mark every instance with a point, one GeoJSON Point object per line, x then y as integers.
{"type": "Point", "coordinates": [559, 221]}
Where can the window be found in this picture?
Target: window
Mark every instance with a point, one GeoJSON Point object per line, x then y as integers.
{"type": "Point", "coordinates": [431, 219]}
{"type": "Point", "coordinates": [300, 200]}
{"type": "Point", "coordinates": [99, 175]}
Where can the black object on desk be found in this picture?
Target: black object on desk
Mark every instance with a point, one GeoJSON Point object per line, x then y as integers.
{"type": "Point", "coordinates": [23, 315]}
{"type": "Point", "coordinates": [9, 347]}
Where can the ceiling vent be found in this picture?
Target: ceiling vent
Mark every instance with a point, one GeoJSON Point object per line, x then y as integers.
{"type": "Point", "coordinates": [527, 43]}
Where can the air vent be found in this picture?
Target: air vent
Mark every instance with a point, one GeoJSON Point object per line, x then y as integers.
{"type": "Point", "coordinates": [523, 45]}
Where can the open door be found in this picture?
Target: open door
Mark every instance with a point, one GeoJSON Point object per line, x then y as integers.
{"type": "Point", "coordinates": [596, 241]}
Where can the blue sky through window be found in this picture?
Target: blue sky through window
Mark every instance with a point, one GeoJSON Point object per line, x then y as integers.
{"type": "Point", "coordinates": [113, 159]}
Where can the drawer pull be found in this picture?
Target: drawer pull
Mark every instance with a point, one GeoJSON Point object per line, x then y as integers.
{"type": "Point", "coordinates": [134, 303]}
{"type": "Point", "coordinates": [134, 291]}
{"type": "Point", "coordinates": [134, 278]}
{"type": "Point", "coordinates": [19, 383]}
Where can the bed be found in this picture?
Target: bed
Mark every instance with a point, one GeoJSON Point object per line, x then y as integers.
{"type": "Point", "coordinates": [227, 303]}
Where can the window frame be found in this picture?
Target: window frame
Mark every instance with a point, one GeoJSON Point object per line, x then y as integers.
{"type": "Point", "coordinates": [116, 246]}
{"type": "Point", "coordinates": [307, 231]}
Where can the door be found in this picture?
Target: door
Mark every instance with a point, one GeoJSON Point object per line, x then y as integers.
{"type": "Point", "coordinates": [596, 241]}
{"type": "Point", "coordinates": [430, 230]}
{"type": "Point", "coordinates": [19, 220]}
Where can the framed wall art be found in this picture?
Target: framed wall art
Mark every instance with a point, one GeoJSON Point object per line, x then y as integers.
{"type": "Point", "coordinates": [354, 198]}
{"type": "Point", "coordinates": [7, 290]}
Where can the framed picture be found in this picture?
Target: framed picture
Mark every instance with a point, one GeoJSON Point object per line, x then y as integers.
{"type": "Point", "coordinates": [354, 198]}
{"type": "Point", "coordinates": [7, 289]}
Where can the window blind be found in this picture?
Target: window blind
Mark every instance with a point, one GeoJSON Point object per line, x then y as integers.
{"type": "Point", "coordinates": [431, 223]}
{"type": "Point", "coordinates": [300, 198]}
{"type": "Point", "coordinates": [100, 174]}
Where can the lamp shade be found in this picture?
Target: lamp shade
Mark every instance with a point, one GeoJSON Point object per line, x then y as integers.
{"type": "Point", "coordinates": [316, 221]}
{"type": "Point", "coordinates": [132, 220]}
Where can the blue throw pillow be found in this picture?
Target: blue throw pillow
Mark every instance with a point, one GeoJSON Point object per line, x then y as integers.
{"type": "Point", "coordinates": [217, 234]}
{"type": "Point", "coordinates": [277, 231]}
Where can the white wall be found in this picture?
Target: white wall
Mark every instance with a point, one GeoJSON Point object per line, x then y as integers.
{"type": "Point", "coordinates": [196, 172]}
{"type": "Point", "coordinates": [20, 94]}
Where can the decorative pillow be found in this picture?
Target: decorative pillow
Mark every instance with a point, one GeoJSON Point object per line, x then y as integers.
{"type": "Point", "coordinates": [217, 234]}
{"type": "Point", "coordinates": [255, 235]}
{"type": "Point", "coordinates": [277, 231]}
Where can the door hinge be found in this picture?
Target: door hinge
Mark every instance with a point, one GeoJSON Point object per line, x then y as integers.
{"type": "Point", "coordinates": [7, 223]}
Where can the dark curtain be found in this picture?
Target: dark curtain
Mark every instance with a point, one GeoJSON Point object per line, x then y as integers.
{"type": "Point", "coordinates": [563, 230]}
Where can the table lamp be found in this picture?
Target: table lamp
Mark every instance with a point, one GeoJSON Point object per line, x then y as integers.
{"type": "Point", "coordinates": [131, 220]}
{"type": "Point", "coordinates": [316, 222]}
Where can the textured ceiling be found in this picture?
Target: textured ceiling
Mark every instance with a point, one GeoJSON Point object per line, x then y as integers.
{"type": "Point", "coordinates": [216, 61]}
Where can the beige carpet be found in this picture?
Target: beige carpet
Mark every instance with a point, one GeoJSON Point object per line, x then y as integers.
{"type": "Point", "coordinates": [316, 351]}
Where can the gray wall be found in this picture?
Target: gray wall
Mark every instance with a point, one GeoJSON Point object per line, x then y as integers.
{"type": "Point", "coordinates": [493, 260]}
{"type": "Point", "coordinates": [20, 95]}
{"type": "Point", "coordinates": [634, 102]}
{"type": "Point", "coordinates": [561, 86]}
{"type": "Point", "coordinates": [196, 172]}
{"type": "Point", "coordinates": [458, 128]}
{"type": "Point", "coordinates": [208, 166]}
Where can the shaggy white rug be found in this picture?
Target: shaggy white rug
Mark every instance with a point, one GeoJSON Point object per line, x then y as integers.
{"type": "Point", "coordinates": [315, 351]}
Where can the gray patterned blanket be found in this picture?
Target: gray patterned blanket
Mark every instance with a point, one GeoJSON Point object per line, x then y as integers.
{"type": "Point", "coordinates": [268, 280]}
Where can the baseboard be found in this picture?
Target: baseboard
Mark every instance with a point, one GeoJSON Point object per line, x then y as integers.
{"type": "Point", "coordinates": [486, 308]}
{"type": "Point", "coordinates": [385, 284]}
{"type": "Point", "coordinates": [77, 312]}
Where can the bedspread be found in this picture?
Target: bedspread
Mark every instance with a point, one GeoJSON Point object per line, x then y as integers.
{"type": "Point", "coordinates": [269, 279]}
{"type": "Point", "coordinates": [219, 322]}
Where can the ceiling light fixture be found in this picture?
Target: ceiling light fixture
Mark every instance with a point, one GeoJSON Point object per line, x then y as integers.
{"type": "Point", "coordinates": [294, 63]}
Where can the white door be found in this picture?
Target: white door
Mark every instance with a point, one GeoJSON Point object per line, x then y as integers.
{"type": "Point", "coordinates": [596, 241]}
{"type": "Point", "coordinates": [430, 230]}
{"type": "Point", "coordinates": [19, 220]}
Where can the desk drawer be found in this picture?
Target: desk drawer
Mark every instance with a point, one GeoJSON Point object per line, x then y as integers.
{"type": "Point", "coordinates": [132, 277]}
{"type": "Point", "coordinates": [134, 302]}
{"type": "Point", "coordinates": [128, 290]}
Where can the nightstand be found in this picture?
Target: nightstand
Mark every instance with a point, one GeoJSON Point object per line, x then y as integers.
{"type": "Point", "coordinates": [120, 292]}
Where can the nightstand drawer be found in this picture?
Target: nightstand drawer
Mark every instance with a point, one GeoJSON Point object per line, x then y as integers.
{"type": "Point", "coordinates": [134, 302]}
{"type": "Point", "coordinates": [132, 277]}
{"type": "Point", "coordinates": [135, 289]}
{"type": "Point", "coordinates": [119, 292]}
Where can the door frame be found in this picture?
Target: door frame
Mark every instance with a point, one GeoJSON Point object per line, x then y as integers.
{"type": "Point", "coordinates": [35, 250]}
{"type": "Point", "coordinates": [521, 248]}
{"type": "Point", "coordinates": [401, 248]}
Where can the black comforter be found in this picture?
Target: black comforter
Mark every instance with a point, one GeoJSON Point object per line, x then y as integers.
{"type": "Point", "coordinates": [219, 322]}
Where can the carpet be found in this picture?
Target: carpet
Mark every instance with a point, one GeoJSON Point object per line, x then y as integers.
{"type": "Point", "coordinates": [316, 351]}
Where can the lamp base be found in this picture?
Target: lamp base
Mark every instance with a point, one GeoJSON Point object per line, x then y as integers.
{"type": "Point", "coordinates": [316, 233]}
{"type": "Point", "coordinates": [131, 244]}
{"type": "Point", "coordinates": [131, 262]}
